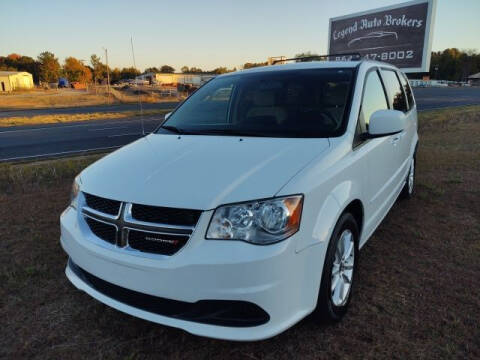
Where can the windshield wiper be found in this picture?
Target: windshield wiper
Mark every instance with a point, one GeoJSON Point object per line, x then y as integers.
{"type": "Point", "coordinates": [231, 132]}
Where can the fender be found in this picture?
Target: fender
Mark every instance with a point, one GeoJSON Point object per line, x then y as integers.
{"type": "Point", "coordinates": [331, 210]}
{"type": "Point", "coordinates": [414, 145]}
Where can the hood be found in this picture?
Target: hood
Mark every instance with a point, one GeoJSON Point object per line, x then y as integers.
{"type": "Point", "coordinates": [199, 172]}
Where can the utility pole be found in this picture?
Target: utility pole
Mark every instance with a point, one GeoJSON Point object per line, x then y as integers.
{"type": "Point", "coordinates": [108, 74]}
{"type": "Point", "coordinates": [86, 81]}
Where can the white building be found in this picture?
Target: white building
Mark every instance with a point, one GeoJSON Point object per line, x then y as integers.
{"type": "Point", "coordinates": [15, 80]}
{"type": "Point", "coordinates": [175, 79]}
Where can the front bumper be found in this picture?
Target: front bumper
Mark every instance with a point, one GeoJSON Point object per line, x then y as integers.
{"type": "Point", "coordinates": [275, 279]}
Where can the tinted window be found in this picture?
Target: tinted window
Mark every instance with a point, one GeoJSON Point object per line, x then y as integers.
{"type": "Point", "coordinates": [373, 99]}
{"type": "Point", "coordinates": [210, 107]}
{"type": "Point", "coordinates": [284, 103]}
{"type": "Point", "coordinates": [394, 90]}
{"type": "Point", "coordinates": [407, 89]}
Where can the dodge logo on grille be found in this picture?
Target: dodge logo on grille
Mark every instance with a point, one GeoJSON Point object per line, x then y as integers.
{"type": "Point", "coordinates": [167, 241]}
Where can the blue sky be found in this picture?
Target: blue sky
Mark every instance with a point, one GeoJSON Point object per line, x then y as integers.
{"type": "Point", "coordinates": [205, 34]}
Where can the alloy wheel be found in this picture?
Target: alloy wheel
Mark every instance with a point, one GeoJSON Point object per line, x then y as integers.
{"type": "Point", "coordinates": [342, 269]}
{"type": "Point", "coordinates": [411, 177]}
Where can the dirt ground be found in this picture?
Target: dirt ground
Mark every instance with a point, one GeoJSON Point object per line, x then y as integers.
{"type": "Point", "coordinates": [417, 294]}
{"type": "Point", "coordinates": [39, 98]}
{"type": "Point", "coordinates": [60, 98]}
{"type": "Point", "coordinates": [66, 118]}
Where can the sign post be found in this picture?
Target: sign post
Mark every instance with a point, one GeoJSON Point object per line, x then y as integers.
{"type": "Point", "coordinates": [398, 34]}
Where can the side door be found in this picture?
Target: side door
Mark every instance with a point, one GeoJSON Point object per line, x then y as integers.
{"type": "Point", "coordinates": [398, 101]}
{"type": "Point", "coordinates": [412, 122]}
{"type": "Point", "coordinates": [379, 157]}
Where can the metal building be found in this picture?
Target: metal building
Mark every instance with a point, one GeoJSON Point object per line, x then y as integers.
{"type": "Point", "coordinates": [15, 80]}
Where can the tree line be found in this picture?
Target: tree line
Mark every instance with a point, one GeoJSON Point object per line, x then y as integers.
{"type": "Point", "coordinates": [46, 68]}
{"type": "Point", "coordinates": [450, 64]}
{"type": "Point", "coordinates": [454, 64]}
{"type": "Point", "coordinates": [167, 69]}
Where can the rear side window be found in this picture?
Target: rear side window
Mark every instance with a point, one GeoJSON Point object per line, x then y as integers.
{"type": "Point", "coordinates": [373, 99]}
{"type": "Point", "coordinates": [407, 89]}
{"type": "Point", "coordinates": [394, 91]}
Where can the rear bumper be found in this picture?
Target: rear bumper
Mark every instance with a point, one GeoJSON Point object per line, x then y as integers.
{"type": "Point", "coordinates": [274, 286]}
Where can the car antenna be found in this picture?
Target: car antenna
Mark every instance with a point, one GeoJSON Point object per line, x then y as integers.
{"type": "Point", "coordinates": [136, 87]}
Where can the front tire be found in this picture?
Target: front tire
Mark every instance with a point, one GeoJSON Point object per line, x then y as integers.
{"type": "Point", "coordinates": [339, 270]}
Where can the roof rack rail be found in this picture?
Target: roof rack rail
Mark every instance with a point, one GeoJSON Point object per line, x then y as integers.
{"type": "Point", "coordinates": [344, 57]}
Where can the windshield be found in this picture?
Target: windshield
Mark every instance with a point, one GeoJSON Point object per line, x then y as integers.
{"type": "Point", "coordinates": [284, 103]}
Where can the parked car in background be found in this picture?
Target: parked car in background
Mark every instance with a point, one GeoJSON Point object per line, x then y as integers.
{"type": "Point", "coordinates": [63, 83]}
{"type": "Point", "coordinates": [122, 82]}
{"type": "Point", "coordinates": [245, 211]}
{"type": "Point", "coordinates": [78, 85]}
{"type": "Point", "coordinates": [138, 82]}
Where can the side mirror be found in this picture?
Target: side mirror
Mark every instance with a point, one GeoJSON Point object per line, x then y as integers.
{"type": "Point", "coordinates": [167, 115]}
{"type": "Point", "coordinates": [385, 123]}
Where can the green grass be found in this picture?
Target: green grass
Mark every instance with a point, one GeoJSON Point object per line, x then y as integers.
{"type": "Point", "coordinates": [14, 177]}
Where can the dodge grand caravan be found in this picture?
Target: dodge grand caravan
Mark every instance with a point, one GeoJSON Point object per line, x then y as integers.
{"type": "Point", "coordinates": [246, 209]}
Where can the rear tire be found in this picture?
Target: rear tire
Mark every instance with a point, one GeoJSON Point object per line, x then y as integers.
{"type": "Point", "coordinates": [409, 187]}
{"type": "Point", "coordinates": [338, 271]}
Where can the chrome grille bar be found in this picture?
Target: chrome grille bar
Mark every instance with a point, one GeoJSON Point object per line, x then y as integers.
{"type": "Point", "coordinates": [100, 215]}
{"type": "Point", "coordinates": [124, 223]}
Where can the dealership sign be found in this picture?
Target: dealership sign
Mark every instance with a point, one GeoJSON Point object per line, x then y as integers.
{"type": "Point", "coordinates": [399, 34]}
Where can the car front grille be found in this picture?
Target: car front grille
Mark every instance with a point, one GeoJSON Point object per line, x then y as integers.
{"type": "Point", "coordinates": [149, 242]}
{"type": "Point", "coordinates": [107, 206]}
{"type": "Point", "coordinates": [233, 313]}
{"type": "Point", "coordinates": [103, 230]}
{"type": "Point", "coordinates": [164, 215]}
{"type": "Point", "coordinates": [142, 228]}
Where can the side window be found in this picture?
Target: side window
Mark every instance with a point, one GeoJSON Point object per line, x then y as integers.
{"type": "Point", "coordinates": [407, 89]}
{"type": "Point", "coordinates": [394, 91]}
{"type": "Point", "coordinates": [373, 99]}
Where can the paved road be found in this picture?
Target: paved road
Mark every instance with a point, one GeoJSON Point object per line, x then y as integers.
{"type": "Point", "coordinates": [17, 143]}
{"type": "Point", "coordinates": [436, 98]}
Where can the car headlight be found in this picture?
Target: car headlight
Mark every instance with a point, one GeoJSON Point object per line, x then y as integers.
{"type": "Point", "coordinates": [75, 192]}
{"type": "Point", "coordinates": [259, 222]}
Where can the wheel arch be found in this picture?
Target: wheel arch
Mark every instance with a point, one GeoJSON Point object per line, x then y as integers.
{"type": "Point", "coordinates": [355, 208]}
{"type": "Point", "coordinates": [414, 146]}
{"type": "Point", "coordinates": [345, 197]}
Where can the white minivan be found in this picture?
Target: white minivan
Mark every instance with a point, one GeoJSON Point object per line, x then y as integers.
{"type": "Point", "coordinates": [246, 209]}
